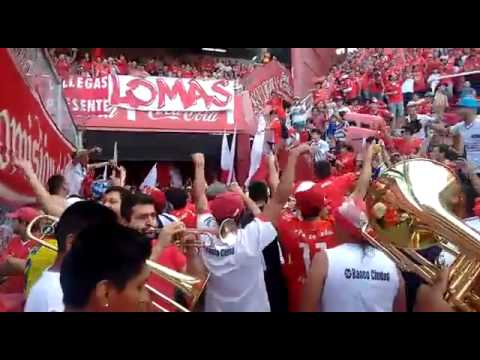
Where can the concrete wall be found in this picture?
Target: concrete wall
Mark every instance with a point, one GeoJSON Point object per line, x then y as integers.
{"type": "Point", "coordinates": [308, 63]}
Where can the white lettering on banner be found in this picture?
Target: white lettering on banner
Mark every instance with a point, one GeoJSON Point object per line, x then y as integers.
{"type": "Point", "coordinates": [19, 141]}
{"type": "Point", "coordinates": [79, 82]}
{"type": "Point", "coordinates": [263, 92]}
{"type": "Point", "coordinates": [171, 94]}
{"type": "Point", "coordinates": [89, 105]}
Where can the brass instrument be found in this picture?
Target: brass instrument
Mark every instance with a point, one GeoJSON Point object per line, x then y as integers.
{"type": "Point", "coordinates": [417, 204]}
{"type": "Point", "coordinates": [225, 235]}
{"type": "Point", "coordinates": [189, 285]}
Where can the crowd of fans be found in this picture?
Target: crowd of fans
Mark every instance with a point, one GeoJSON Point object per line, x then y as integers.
{"type": "Point", "coordinates": [295, 242]}
{"type": "Point", "coordinates": [88, 64]}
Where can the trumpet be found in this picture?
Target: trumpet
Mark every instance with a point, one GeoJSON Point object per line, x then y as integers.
{"type": "Point", "coordinates": [224, 236]}
{"type": "Point", "coordinates": [189, 285]}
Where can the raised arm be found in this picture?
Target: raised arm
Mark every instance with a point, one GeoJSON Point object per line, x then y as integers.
{"type": "Point", "coordinates": [199, 183]}
{"type": "Point", "coordinates": [234, 187]}
{"type": "Point", "coordinates": [52, 205]}
{"type": "Point", "coordinates": [273, 176]}
{"type": "Point", "coordinates": [275, 206]}
{"type": "Point", "coordinates": [365, 175]}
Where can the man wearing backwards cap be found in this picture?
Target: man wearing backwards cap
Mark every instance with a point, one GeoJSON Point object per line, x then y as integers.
{"type": "Point", "coordinates": [236, 267]}
{"type": "Point", "coordinates": [14, 258]}
{"type": "Point", "coordinates": [466, 131]}
{"type": "Point", "coordinates": [302, 238]}
{"type": "Point", "coordinates": [353, 277]}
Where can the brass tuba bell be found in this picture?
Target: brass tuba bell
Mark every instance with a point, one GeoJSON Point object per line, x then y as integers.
{"type": "Point", "coordinates": [417, 204]}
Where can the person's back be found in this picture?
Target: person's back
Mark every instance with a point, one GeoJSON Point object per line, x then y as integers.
{"type": "Point", "coordinates": [301, 240]}
{"type": "Point", "coordinates": [359, 279]}
{"type": "Point", "coordinates": [274, 279]}
{"type": "Point", "coordinates": [236, 281]}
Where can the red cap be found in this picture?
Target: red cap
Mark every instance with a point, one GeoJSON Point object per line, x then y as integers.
{"type": "Point", "coordinates": [310, 199]}
{"type": "Point", "coordinates": [158, 197]}
{"type": "Point", "coordinates": [227, 205]}
{"type": "Point", "coordinates": [26, 214]}
{"type": "Point", "coordinates": [350, 216]}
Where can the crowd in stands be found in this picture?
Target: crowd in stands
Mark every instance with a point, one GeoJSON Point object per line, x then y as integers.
{"type": "Point", "coordinates": [297, 243]}
{"type": "Point", "coordinates": [72, 62]}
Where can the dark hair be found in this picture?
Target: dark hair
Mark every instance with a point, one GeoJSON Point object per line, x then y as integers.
{"type": "Point", "coordinates": [323, 169]}
{"type": "Point", "coordinates": [258, 191]}
{"type": "Point", "coordinates": [177, 197]}
{"type": "Point", "coordinates": [121, 190]}
{"type": "Point", "coordinates": [78, 216]}
{"type": "Point", "coordinates": [371, 139]}
{"type": "Point", "coordinates": [317, 131]}
{"type": "Point", "coordinates": [347, 146]}
{"type": "Point", "coordinates": [55, 183]}
{"type": "Point", "coordinates": [131, 200]}
{"type": "Point", "coordinates": [101, 252]}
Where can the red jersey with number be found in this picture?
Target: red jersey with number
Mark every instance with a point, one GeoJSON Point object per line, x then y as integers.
{"type": "Point", "coordinates": [301, 240]}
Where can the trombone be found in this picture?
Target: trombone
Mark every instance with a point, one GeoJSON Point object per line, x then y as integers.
{"type": "Point", "coordinates": [189, 285]}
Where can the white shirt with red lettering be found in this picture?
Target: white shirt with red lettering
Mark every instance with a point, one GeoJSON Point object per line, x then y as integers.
{"type": "Point", "coordinates": [236, 281]}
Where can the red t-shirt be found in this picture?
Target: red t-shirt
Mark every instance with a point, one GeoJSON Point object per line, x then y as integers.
{"type": "Point", "coordinates": [277, 104]}
{"type": "Point", "coordinates": [407, 147]}
{"type": "Point", "coordinates": [87, 65]}
{"type": "Point", "coordinates": [420, 83]}
{"type": "Point", "coordinates": [63, 68]}
{"type": "Point", "coordinates": [365, 82]}
{"type": "Point", "coordinates": [301, 240]}
{"type": "Point", "coordinates": [276, 127]}
{"type": "Point", "coordinates": [336, 188]}
{"type": "Point", "coordinates": [187, 216]}
{"type": "Point", "coordinates": [17, 249]}
{"type": "Point", "coordinates": [396, 88]}
{"type": "Point", "coordinates": [122, 67]}
{"type": "Point", "coordinates": [174, 259]}
{"type": "Point", "coordinates": [348, 160]}
{"type": "Point", "coordinates": [321, 95]}
{"type": "Point", "coordinates": [375, 87]}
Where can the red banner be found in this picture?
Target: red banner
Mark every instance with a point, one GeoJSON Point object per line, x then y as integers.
{"type": "Point", "coordinates": [87, 96]}
{"type": "Point", "coordinates": [266, 79]}
{"type": "Point", "coordinates": [26, 131]}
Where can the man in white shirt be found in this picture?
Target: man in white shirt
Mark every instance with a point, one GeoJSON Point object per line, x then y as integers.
{"type": "Point", "coordinates": [320, 148]}
{"type": "Point", "coordinates": [408, 88]}
{"type": "Point", "coordinates": [416, 121]}
{"type": "Point", "coordinates": [236, 263]}
{"type": "Point", "coordinates": [354, 276]}
{"type": "Point", "coordinates": [467, 131]}
{"type": "Point", "coordinates": [46, 295]}
{"type": "Point", "coordinates": [76, 171]}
